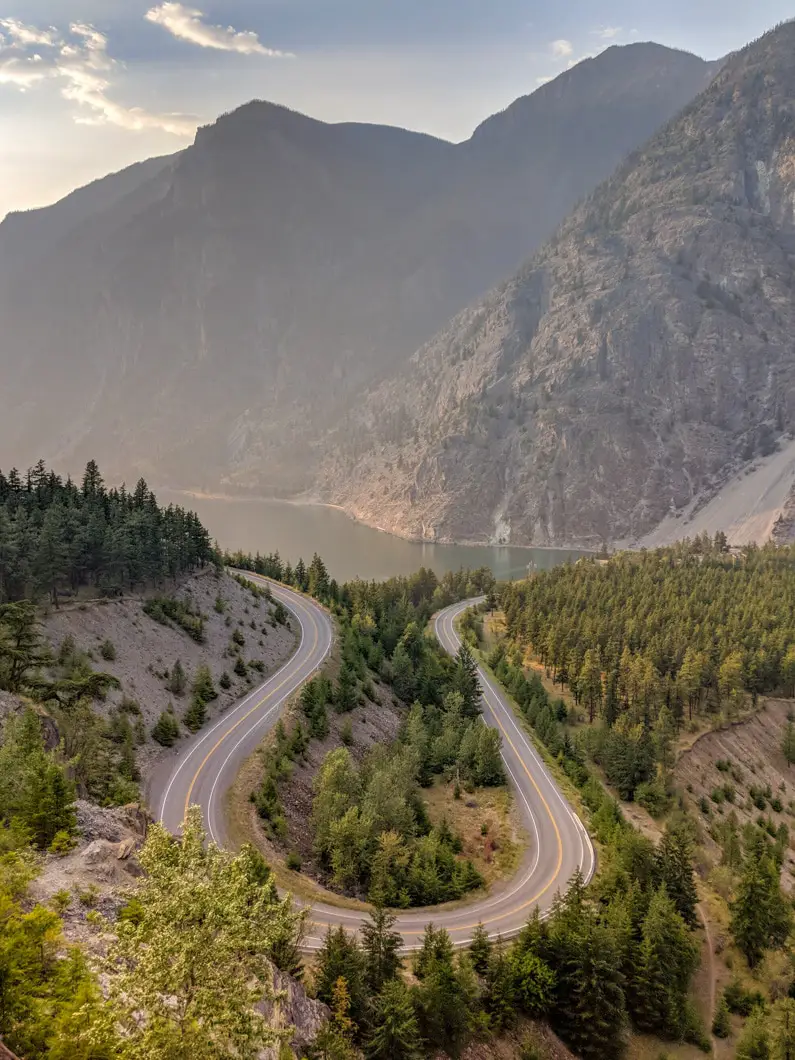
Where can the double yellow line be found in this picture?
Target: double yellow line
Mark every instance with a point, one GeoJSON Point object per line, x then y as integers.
{"type": "Point", "coordinates": [306, 613]}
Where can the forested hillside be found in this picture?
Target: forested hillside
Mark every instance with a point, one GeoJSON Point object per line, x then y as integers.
{"type": "Point", "coordinates": [650, 642]}
{"type": "Point", "coordinates": [57, 537]}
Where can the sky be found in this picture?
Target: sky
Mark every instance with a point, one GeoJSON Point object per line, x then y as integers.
{"type": "Point", "coordinates": [90, 86]}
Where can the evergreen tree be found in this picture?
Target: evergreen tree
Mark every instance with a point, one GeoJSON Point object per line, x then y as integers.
{"type": "Point", "coordinates": [590, 1014]}
{"type": "Point", "coordinates": [480, 949]}
{"type": "Point", "coordinates": [667, 958]}
{"type": "Point", "coordinates": [466, 681]}
{"type": "Point", "coordinates": [395, 1033]}
{"type": "Point", "coordinates": [782, 1032]}
{"type": "Point", "coordinates": [177, 680]}
{"type": "Point", "coordinates": [788, 743]}
{"type": "Point", "coordinates": [381, 947]}
{"type": "Point", "coordinates": [674, 864]}
{"type": "Point", "coordinates": [754, 1042]}
{"type": "Point", "coordinates": [166, 729]}
{"type": "Point", "coordinates": [721, 1023]}
{"type": "Point", "coordinates": [341, 957]}
{"type": "Point", "coordinates": [760, 916]}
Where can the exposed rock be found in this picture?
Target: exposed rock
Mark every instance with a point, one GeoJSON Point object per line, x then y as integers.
{"type": "Point", "coordinates": [209, 319]}
{"type": "Point", "coordinates": [294, 1009]}
{"type": "Point", "coordinates": [634, 363]}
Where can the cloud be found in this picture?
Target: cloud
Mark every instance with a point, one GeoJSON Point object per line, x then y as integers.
{"type": "Point", "coordinates": [580, 59]}
{"type": "Point", "coordinates": [186, 24]}
{"type": "Point", "coordinates": [22, 36]}
{"type": "Point", "coordinates": [543, 80]}
{"type": "Point", "coordinates": [561, 49]}
{"type": "Point", "coordinates": [83, 70]}
{"type": "Point", "coordinates": [607, 32]}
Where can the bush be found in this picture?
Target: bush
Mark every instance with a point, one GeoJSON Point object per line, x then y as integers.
{"type": "Point", "coordinates": [225, 681]}
{"type": "Point", "coordinates": [177, 681]}
{"type": "Point", "coordinates": [203, 687]}
{"type": "Point", "coordinates": [62, 843]}
{"type": "Point", "coordinates": [240, 667]}
{"type": "Point", "coordinates": [294, 861]}
{"type": "Point", "coordinates": [721, 1024]}
{"type": "Point", "coordinates": [196, 715]}
{"type": "Point", "coordinates": [346, 733]}
{"type": "Point", "coordinates": [653, 797]}
{"type": "Point", "coordinates": [166, 729]}
{"type": "Point", "coordinates": [740, 1001]}
{"type": "Point", "coordinates": [107, 650]}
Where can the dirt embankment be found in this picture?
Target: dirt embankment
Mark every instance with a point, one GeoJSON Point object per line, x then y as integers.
{"type": "Point", "coordinates": [145, 651]}
{"type": "Point", "coordinates": [741, 769]}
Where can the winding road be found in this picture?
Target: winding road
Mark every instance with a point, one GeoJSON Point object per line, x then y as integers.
{"type": "Point", "coordinates": [558, 842]}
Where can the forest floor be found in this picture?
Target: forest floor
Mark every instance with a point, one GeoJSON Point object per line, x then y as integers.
{"type": "Point", "coordinates": [146, 650]}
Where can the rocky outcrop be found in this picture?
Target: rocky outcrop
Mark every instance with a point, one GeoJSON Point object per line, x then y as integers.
{"type": "Point", "coordinates": [210, 320]}
{"type": "Point", "coordinates": [640, 357]}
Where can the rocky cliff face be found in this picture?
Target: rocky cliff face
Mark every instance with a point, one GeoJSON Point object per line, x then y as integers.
{"type": "Point", "coordinates": [211, 318]}
{"type": "Point", "coordinates": [642, 355]}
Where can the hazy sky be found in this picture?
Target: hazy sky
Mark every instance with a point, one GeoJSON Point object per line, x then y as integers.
{"type": "Point", "coordinates": [89, 86]}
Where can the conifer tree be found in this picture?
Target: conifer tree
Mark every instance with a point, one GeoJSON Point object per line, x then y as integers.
{"type": "Point", "coordinates": [674, 863]}
{"type": "Point", "coordinates": [480, 949]}
{"type": "Point", "coordinates": [381, 947]}
{"type": "Point", "coordinates": [760, 917]}
{"type": "Point", "coordinates": [395, 1031]}
{"type": "Point", "coordinates": [782, 1033]}
{"type": "Point", "coordinates": [788, 743]}
{"type": "Point", "coordinates": [754, 1042]}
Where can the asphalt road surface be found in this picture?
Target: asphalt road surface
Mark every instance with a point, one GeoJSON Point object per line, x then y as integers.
{"type": "Point", "coordinates": [558, 843]}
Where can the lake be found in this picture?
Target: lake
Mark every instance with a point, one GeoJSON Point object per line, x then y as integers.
{"type": "Point", "coordinates": [349, 549]}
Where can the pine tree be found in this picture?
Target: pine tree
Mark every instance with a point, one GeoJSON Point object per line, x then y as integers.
{"type": "Point", "coordinates": [381, 947]}
{"type": "Point", "coordinates": [341, 957]}
{"type": "Point", "coordinates": [674, 864]}
{"type": "Point", "coordinates": [754, 1042]}
{"type": "Point", "coordinates": [480, 949]}
{"type": "Point", "coordinates": [788, 743]}
{"type": "Point", "coordinates": [395, 1031]}
{"type": "Point", "coordinates": [166, 729]}
{"type": "Point", "coordinates": [760, 916]}
{"type": "Point", "coordinates": [177, 680]}
{"type": "Point", "coordinates": [667, 958]}
{"type": "Point", "coordinates": [590, 1015]}
{"type": "Point", "coordinates": [589, 682]}
{"type": "Point", "coordinates": [466, 681]}
{"type": "Point", "coordinates": [721, 1023]}
{"type": "Point", "coordinates": [782, 1033]}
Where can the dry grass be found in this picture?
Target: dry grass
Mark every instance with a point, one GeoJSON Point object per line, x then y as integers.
{"type": "Point", "coordinates": [486, 821]}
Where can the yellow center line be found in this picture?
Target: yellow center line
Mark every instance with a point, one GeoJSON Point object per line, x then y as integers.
{"type": "Point", "coordinates": [307, 613]}
{"type": "Point", "coordinates": [544, 889]}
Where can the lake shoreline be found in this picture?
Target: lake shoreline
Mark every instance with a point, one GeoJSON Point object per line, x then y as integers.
{"type": "Point", "coordinates": [306, 502]}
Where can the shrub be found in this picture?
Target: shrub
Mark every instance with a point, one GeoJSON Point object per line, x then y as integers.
{"type": "Point", "coordinates": [240, 667]}
{"type": "Point", "coordinates": [721, 1024]}
{"type": "Point", "coordinates": [238, 638]}
{"type": "Point", "coordinates": [62, 843]}
{"type": "Point", "coordinates": [346, 733]}
{"type": "Point", "coordinates": [166, 729]}
{"type": "Point", "coordinates": [107, 650]}
{"type": "Point", "coordinates": [177, 681]}
{"type": "Point", "coordinates": [294, 861]}
{"type": "Point", "coordinates": [225, 681]}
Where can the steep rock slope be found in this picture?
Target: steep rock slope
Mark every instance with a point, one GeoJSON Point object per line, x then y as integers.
{"type": "Point", "coordinates": [212, 323]}
{"type": "Point", "coordinates": [639, 358]}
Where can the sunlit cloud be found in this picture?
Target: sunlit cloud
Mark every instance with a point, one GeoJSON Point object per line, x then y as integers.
{"type": "Point", "coordinates": [81, 66]}
{"type": "Point", "coordinates": [187, 23]}
{"type": "Point", "coordinates": [607, 32]}
{"type": "Point", "coordinates": [561, 49]}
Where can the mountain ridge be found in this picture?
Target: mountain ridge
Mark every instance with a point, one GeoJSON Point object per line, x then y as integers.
{"type": "Point", "coordinates": [211, 326]}
{"type": "Point", "coordinates": [605, 384]}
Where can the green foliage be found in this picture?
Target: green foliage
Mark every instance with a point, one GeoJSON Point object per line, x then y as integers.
{"type": "Point", "coordinates": [395, 1031]}
{"type": "Point", "coordinates": [177, 681]}
{"type": "Point", "coordinates": [35, 794]}
{"type": "Point", "coordinates": [170, 609]}
{"type": "Point", "coordinates": [194, 961]}
{"type": "Point", "coordinates": [760, 916]}
{"type": "Point", "coordinates": [650, 639]}
{"type": "Point", "coordinates": [754, 1042]}
{"type": "Point", "coordinates": [166, 729]}
{"type": "Point", "coordinates": [107, 650]}
{"type": "Point", "coordinates": [367, 832]}
{"type": "Point", "coordinates": [721, 1023]}
{"type": "Point", "coordinates": [381, 945]}
{"type": "Point", "coordinates": [202, 692]}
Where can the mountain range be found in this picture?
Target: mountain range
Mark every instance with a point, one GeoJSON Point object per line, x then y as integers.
{"type": "Point", "coordinates": [233, 316]}
{"type": "Point", "coordinates": [629, 368]}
